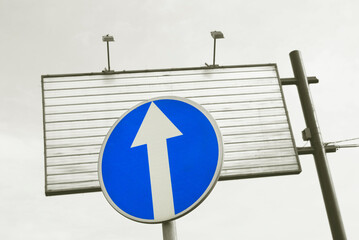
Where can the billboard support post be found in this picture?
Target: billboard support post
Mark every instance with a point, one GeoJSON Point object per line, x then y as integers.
{"type": "Point", "coordinates": [108, 57]}
{"type": "Point", "coordinates": [214, 53]}
{"type": "Point", "coordinates": [169, 231]}
{"type": "Point", "coordinates": [321, 162]}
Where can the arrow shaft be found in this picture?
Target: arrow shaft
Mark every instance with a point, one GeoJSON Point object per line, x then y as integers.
{"type": "Point", "coordinates": [160, 176]}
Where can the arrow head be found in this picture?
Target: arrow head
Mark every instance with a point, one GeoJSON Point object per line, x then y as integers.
{"type": "Point", "coordinates": [155, 127]}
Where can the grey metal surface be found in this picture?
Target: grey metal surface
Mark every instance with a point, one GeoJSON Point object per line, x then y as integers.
{"type": "Point", "coordinates": [169, 231]}
{"type": "Point", "coordinates": [246, 102]}
{"type": "Point", "coordinates": [320, 157]}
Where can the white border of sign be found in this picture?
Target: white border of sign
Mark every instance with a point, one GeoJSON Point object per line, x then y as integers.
{"type": "Point", "coordinates": [210, 186]}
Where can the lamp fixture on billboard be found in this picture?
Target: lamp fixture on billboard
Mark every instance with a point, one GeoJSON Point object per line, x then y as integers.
{"type": "Point", "coordinates": [216, 35]}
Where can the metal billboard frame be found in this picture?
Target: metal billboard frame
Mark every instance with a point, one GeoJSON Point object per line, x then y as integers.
{"type": "Point", "coordinates": [95, 189]}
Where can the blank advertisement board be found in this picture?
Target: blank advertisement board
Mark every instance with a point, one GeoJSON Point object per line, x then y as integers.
{"type": "Point", "coordinates": [246, 102]}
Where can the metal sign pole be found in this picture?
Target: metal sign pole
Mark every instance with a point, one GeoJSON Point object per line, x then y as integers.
{"type": "Point", "coordinates": [321, 162]}
{"type": "Point", "coordinates": [169, 231]}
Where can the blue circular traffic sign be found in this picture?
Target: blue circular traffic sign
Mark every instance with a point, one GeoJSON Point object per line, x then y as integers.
{"type": "Point", "coordinates": [160, 160]}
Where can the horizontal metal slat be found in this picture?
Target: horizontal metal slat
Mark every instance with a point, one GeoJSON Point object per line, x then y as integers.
{"type": "Point", "coordinates": [77, 133]}
{"type": "Point", "coordinates": [70, 151]}
{"type": "Point", "coordinates": [84, 116]}
{"type": "Point", "coordinates": [200, 99]}
{"type": "Point", "coordinates": [258, 145]}
{"type": "Point", "coordinates": [151, 75]}
{"type": "Point", "coordinates": [259, 154]}
{"type": "Point", "coordinates": [73, 142]}
{"type": "Point", "coordinates": [213, 100]}
{"type": "Point", "coordinates": [162, 87]}
{"type": "Point", "coordinates": [138, 97]}
{"type": "Point", "coordinates": [58, 126]}
{"type": "Point", "coordinates": [117, 114]}
{"type": "Point", "coordinates": [70, 169]}
{"type": "Point", "coordinates": [234, 115]}
{"type": "Point", "coordinates": [72, 178]}
{"type": "Point", "coordinates": [250, 121]}
{"type": "Point", "coordinates": [73, 187]}
{"type": "Point", "coordinates": [234, 131]}
{"type": "Point", "coordinates": [255, 137]}
{"type": "Point", "coordinates": [254, 163]}
{"type": "Point", "coordinates": [234, 106]}
{"type": "Point", "coordinates": [89, 158]}
{"type": "Point", "coordinates": [263, 170]}
{"type": "Point", "coordinates": [127, 105]}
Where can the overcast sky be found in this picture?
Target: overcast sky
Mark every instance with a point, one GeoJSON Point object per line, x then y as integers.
{"type": "Point", "coordinates": [55, 37]}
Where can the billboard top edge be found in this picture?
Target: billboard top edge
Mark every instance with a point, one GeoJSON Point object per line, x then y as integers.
{"type": "Point", "coordinates": [155, 70]}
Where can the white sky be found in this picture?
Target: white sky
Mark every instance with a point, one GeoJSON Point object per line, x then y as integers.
{"type": "Point", "coordinates": [50, 37]}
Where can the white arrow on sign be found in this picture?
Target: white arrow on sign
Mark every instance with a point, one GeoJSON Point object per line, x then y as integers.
{"type": "Point", "coordinates": [154, 131]}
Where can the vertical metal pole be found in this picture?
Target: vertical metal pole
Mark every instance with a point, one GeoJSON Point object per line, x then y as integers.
{"type": "Point", "coordinates": [169, 231]}
{"type": "Point", "coordinates": [108, 56]}
{"type": "Point", "coordinates": [214, 53]}
{"type": "Point", "coordinates": [321, 162]}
